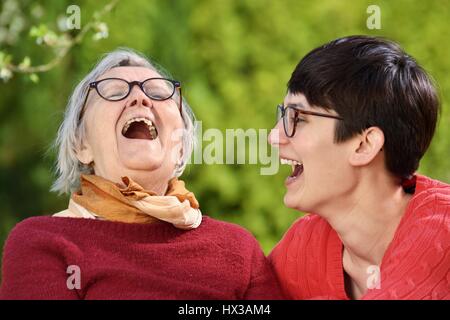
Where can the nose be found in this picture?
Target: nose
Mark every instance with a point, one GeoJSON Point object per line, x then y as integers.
{"type": "Point", "coordinates": [138, 98]}
{"type": "Point", "coordinates": [277, 135]}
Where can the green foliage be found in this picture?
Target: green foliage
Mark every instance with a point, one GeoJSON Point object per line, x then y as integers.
{"type": "Point", "coordinates": [233, 58]}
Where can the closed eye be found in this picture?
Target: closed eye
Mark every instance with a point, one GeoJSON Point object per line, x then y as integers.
{"type": "Point", "coordinates": [115, 95]}
{"type": "Point", "coordinates": [297, 120]}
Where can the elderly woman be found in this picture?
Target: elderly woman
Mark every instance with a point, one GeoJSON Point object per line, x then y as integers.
{"type": "Point", "coordinates": [131, 230]}
{"type": "Point", "coordinates": [358, 116]}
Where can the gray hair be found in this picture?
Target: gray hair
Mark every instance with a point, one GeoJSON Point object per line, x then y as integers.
{"type": "Point", "coordinates": [71, 132]}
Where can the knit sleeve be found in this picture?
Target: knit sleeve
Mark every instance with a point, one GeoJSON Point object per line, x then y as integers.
{"type": "Point", "coordinates": [35, 265]}
{"type": "Point", "coordinates": [263, 283]}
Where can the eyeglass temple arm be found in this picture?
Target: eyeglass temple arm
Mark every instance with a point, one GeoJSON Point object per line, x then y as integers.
{"type": "Point", "coordinates": [283, 108]}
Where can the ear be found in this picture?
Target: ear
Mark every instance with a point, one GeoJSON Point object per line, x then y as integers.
{"type": "Point", "coordinates": [180, 155]}
{"type": "Point", "coordinates": [177, 150]}
{"type": "Point", "coordinates": [369, 144]}
{"type": "Point", "coordinates": [84, 153]}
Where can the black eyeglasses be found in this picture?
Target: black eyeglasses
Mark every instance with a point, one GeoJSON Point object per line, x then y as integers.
{"type": "Point", "coordinates": [116, 89]}
{"type": "Point", "coordinates": [290, 115]}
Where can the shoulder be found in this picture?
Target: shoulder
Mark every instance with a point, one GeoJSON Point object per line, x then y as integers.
{"type": "Point", "coordinates": [426, 223]}
{"type": "Point", "coordinates": [422, 241]}
{"type": "Point", "coordinates": [429, 209]}
{"type": "Point", "coordinates": [36, 235]}
{"type": "Point", "coordinates": [31, 228]}
{"type": "Point", "coordinates": [307, 236]}
{"type": "Point", "coordinates": [304, 230]}
{"type": "Point", "coordinates": [431, 195]}
{"type": "Point", "coordinates": [415, 265]}
{"type": "Point", "coordinates": [303, 250]}
{"type": "Point", "coordinates": [229, 237]}
{"type": "Point", "coordinates": [34, 262]}
{"type": "Point", "coordinates": [227, 232]}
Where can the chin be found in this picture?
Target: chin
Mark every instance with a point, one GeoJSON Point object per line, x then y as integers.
{"type": "Point", "coordinates": [143, 162]}
{"type": "Point", "coordinates": [290, 201]}
{"type": "Point", "coordinates": [140, 158]}
{"type": "Point", "coordinates": [296, 202]}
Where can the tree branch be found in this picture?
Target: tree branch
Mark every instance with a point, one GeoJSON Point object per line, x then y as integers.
{"type": "Point", "coordinates": [62, 52]}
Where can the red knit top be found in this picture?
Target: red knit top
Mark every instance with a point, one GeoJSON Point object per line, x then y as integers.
{"type": "Point", "coordinates": [116, 260]}
{"type": "Point", "coordinates": [308, 260]}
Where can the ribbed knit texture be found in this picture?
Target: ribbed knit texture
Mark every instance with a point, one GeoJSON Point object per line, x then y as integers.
{"type": "Point", "coordinates": [308, 260]}
{"type": "Point", "coordinates": [118, 260]}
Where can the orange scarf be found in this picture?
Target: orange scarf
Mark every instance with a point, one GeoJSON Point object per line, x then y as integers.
{"type": "Point", "coordinates": [133, 204]}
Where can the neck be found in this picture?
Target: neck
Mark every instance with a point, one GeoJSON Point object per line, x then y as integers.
{"type": "Point", "coordinates": [367, 220]}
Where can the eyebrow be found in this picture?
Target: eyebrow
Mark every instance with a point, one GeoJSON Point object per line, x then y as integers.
{"type": "Point", "coordinates": [300, 107]}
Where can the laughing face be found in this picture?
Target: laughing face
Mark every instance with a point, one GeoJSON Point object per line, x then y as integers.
{"type": "Point", "coordinates": [132, 137]}
{"type": "Point", "coordinates": [321, 172]}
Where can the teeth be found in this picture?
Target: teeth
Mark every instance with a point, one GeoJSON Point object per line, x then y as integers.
{"type": "Point", "coordinates": [149, 124]}
{"type": "Point", "coordinates": [290, 162]}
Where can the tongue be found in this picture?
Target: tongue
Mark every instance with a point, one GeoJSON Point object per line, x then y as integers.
{"type": "Point", "coordinates": [297, 171]}
{"type": "Point", "coordinates": [138, 130]}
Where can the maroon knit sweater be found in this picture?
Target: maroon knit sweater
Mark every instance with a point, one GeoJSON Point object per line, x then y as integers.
{"type": "Point", "coordinates": [116, 260]}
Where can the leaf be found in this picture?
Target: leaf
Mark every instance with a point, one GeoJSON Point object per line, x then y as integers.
{"type": "Point", "coordinates": [5, 59]}
{"type": "Point", "coordinates": [5, 74]}
{"type": "Point", "coordinates": [34, 78]}
{"type": "Point", "coordinates": [25, 63]}
{"type": "Point", "coordinates": [102, 31]}
{"type": "Point", "coordinates": [38, 31]}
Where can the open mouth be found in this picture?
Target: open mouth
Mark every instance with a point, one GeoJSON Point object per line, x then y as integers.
{"type": "Point", "coordinates": [139, 128]}
{"type": "Point", "coordinates": [297, 169]}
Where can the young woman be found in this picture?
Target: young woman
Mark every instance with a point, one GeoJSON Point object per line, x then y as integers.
{"type": "Point", "coordinates": [358, 116]}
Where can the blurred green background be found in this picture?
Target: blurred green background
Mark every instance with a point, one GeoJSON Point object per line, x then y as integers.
{"type": "Point", "coordinates": [233, 58]}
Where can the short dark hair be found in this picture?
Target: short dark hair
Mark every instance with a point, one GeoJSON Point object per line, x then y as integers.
{"type": "Point", "coordinates": [371, 81]}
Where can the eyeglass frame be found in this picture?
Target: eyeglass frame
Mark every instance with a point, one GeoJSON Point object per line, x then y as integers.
{"type": "Point", "coordinates": [131, 84]}
{"type": "Point", "coordinates": [296, 108]}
